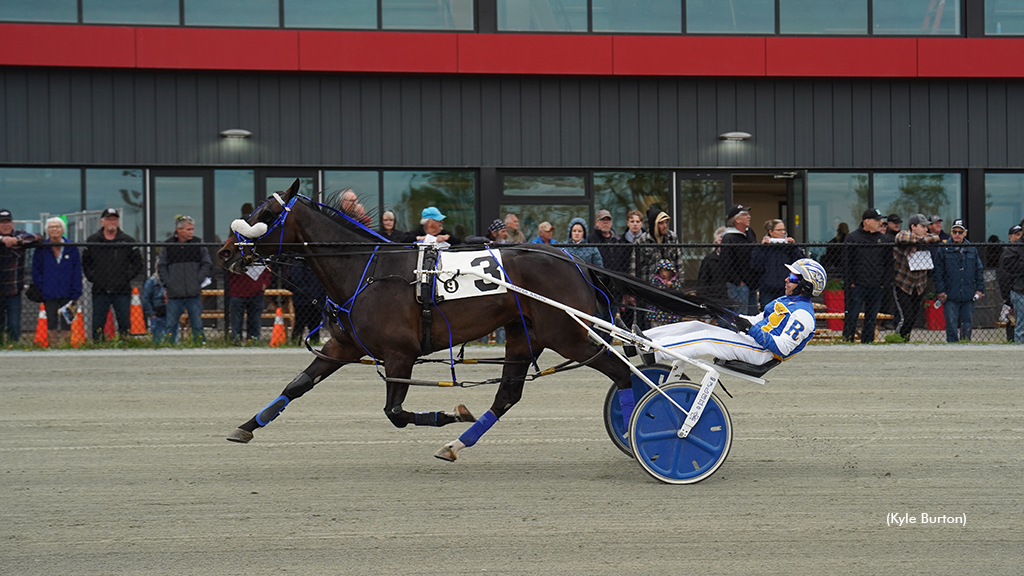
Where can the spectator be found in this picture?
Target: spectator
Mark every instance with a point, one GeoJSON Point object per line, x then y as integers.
{"type": "Point", "coordinates": [991, 258]}
{"type": "Point", "coordinates": [665, 278]}
{"type": "Point", "coordinates": [959, 281]}
{"type": "Point", "coordinates": [246, 302]}
{"type": "Point", "coordinates": [154, 306]}
{"type": "Point", "coordinates": [769, 260]}
{"type": "Point", "coordinates": [740, 279]}
{"type": "Point", "coordinates": [111, 269]}
{"type": "Point", "coordinates": [432, 224]}
{"type": "Point", "coordinates": [866, 270]}
{"type": "Point", "coordinates": [658, 243]}
{"type": "Point", "coordinates": [544, 230]}
{"type": "Point", "coordinates": [184, 266]}
{"type": "Point", "coordinates": [348, 202]}
{"type": "Point", "coordinates": [577, 234]}
{"type": "Point", "coordinates": [308, 298]}
{"type": "Point", "coordinates": [515, 235]}
{"type": "Point", "coordinates": [12, 275]}
{"type": "Point", "coordinates": [496, 234]}
{"type": "Point", "coordinates": [892, 226]}
{"type": "Point", "coordinates": [614, 258]}
{"type": "Point", "coordinates": [710, 278]}
{"type": "Point", "coordinates": [833, 257]}
{"type": "Point", "coordinates": [935, 227]}
{"type": "Point", "coordinates": [1012, 265]}
{"type": "Point", "coordinates": [57, 271]}
{"type": "Point", "coordinates": [634, 226]}
{"type": "Point", "coordinates": [909, 278]}
{"type": "Point", "coordinates": [893, 223]}
{"type": "Point", "coordinates": [387, 228]}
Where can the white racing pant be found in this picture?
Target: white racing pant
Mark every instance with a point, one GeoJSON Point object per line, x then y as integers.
{"type": "Point", "coordinates": [693, 339]}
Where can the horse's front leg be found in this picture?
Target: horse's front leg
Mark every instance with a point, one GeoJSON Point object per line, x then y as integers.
{"type": "Point", "coordinates": [304, 382]}
{"type": "Point", "coordinates": [396, 392]}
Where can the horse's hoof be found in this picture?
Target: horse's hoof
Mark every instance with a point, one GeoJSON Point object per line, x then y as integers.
{"type": "Point", "coordinates": [240, 436]}
{"type": "Point", "coordinates": [446, 453]}
{"type": "Point", "coordinates": [462, 414]}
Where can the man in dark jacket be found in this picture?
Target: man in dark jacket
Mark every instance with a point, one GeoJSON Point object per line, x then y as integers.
{"type": "Point", "coordinates": [614, 257]}
{"type": "Point", "coordinates": [12, 274]}
{"type": "Point", "coordinates": [184, 266]}
{"type": "Point", "coordinates": [1012, 264]}
{"type": "Point", "coordinates": [737, 245]}
{"type": "Point", "coordinates": [867, 269]}
{"type": "Point", "coordinates": [111, 269]}
{"type": "Point", "coordinates": [959, 282]}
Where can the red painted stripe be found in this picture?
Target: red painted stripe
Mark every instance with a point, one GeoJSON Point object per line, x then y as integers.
{"type": "Point", "coordinates": [689, 56]}
{"type": "Point", "coordinates": [220, 49]}
{"type": "Point", "coordinates": [971, 57]}
{"type": "Point", "coordinates": [863, 57]}
{"type": "Point", "coordinates": [57, 45]}
{"type": "Point", "coordinates": [325, 51]}
{"type": "Point", "coordinates": [535, 54]}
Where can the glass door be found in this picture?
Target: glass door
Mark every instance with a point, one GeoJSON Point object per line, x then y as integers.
{"type": "Point", "coordinates": [270, 181]}
{"type": "Point", "coordinates": [796, 198]}
{"type": "Point", "coordinates": [180, 193]}
{"type": "Point", "coordinates": [700, 198]}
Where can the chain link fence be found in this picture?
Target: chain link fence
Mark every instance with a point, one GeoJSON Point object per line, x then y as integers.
{"type": "Point", "coordinates": [743, 277]}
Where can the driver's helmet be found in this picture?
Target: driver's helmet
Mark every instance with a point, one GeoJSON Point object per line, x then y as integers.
{"type": "Point", "coordinates": [811, 272]}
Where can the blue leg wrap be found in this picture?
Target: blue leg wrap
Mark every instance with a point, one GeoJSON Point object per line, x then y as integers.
{"type": "Point", "coordinates": [627, 403]}
{"type": "Point", "coordinates": [271, 411]}
{"type": "Point", "coordinates": [470, 436]}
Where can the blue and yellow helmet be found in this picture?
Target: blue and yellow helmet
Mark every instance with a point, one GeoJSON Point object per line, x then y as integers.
{"type": "Point", "coordinates": [811, 272]}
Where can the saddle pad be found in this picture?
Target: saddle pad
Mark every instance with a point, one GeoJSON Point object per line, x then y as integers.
{"type": "Point", "coordinates": [453, 286]}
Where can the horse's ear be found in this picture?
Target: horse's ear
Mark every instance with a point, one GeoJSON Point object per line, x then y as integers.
{"type": "Point", "coordinates": [292, 190]}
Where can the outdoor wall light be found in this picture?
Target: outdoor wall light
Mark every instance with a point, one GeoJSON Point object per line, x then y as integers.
{"type": "Point", "coordinates": [235, 133]}
{"type": "Point", "coordinates": [735, 136]}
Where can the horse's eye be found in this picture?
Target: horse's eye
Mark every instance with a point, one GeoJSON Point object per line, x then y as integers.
{"type": "Point", "coordinates": [267, 217]}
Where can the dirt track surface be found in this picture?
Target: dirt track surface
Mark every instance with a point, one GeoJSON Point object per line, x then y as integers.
{"type": "Point", "coordinates": [116, 463]}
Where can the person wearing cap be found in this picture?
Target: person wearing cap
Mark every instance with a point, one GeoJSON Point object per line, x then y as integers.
{"type": "Point", "coordinates": [544, 233]}
{"type": "Point", "coordinates": [496, 233]}
{"type": "Point", "coordinates": [57, 271]}
{"type": "Point", "coordinates": [577, 235]}
{"type": "Point", "coordinates": [867, 261]}
{"type": "Point", "coordinates": [1012, 265]}
{"type": "Point", "coordinates": [910, 272]}
{"type": "Point", "coordinates": [935, 227]}
{"type": "Point", "coordinates": [515, 235]}
{"type": "Point", "coordinates": [111, 263]}
{"type": "Point", "coordinates": [959, 282]}
{"type": "Point", "coordinates": [614, 258]}
{"type": "Point", "coordinates": [12, 275]}
{"type": "Point", "coordinates": [432, 224]}
{"type": "Point", "coordinates": [737, 246]}
{"type": "Point", "coordinates": [893, 223]}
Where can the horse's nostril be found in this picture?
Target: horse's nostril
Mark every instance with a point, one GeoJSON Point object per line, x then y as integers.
{"type": "Point", "coordinates": [224, 254]}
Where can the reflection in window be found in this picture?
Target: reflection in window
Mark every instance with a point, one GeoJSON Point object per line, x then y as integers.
{"type": "Point", "coordinates": [620, 192]}
{"type": "Point", "coordinates": [1004, 17]}
{"type": "Point", "coordinates": [833, 198]}
{"type": "Point", "coordinates": [452, 192]}
{"type": "Point", "coordinates": [909, 194]}
{"type": "Point", "coordinates": [559, 215]}
{"type": "Point", "coordinates": [365, 183]}
{"type": "Point", "coordinates": [121, 189]}
{"type": "Point", "coordinates": [307, 185]}
{"type": "Point", "coordinates": [131, 12]}
{"type": "Point", "coordinates": [823, 16]}
{"type": "Point", "coordinates": [1004, 203]}
{"type": "Point", "coordinates": [905, 17]}
{"type": "Point", "coordinates": [637, 16]}
{"type": "Point", "coordinates": [701, 206]}
{"type": "Point", "coordinates": [427, 14]}
{"type": "Point", "coordinates": [232, 13]}
{"type": "Point", "coordinates": [28, 192]}
{"type": "Point", "coordinates": [234, 191]}
{"type": "Point", "coordinates": [40, 11]}
{"type": "Point", "coordinates": [542, 15]}
{"type": "Point", "coordinates": [544, 186]}
{"type": "Point", "coordinates": [175, 196]}
{"type": "Point", "coordinates": [330, 13]}
{"type": "Point", "coordinates": [733, 17]}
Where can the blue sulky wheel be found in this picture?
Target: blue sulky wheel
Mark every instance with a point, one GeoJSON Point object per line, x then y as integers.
{"type": "Point", "coordinates": [613, 411]}
{"type": "Point", "coordinates": [662, 453]}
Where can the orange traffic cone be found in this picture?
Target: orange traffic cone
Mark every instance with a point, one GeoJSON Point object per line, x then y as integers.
{"type": "Point", "coordinates": [109, 331]}
{"type": "Point", "coordinates": [42, 337]}
{"type": "Point", "coordinates": [278, 337]}
{"type": "Point", "coordinates": [138, 323]}
{"type": "Point", "coordinates": [78, 331]}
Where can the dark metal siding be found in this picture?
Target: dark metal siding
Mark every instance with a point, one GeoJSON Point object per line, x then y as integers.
{"type": "Point", "coordinates": [152, 118]}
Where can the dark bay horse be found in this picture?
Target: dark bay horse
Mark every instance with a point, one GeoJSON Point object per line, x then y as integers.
{"type": "Point", "coordinates": [378, 315]}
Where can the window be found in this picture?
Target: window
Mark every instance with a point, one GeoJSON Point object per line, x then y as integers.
{"type": "Point", "coordinates": [28, 192]}
{"type": "Point", "coordinates": [665, 16]}
{"type": "Point", "coordinates": [558, 215]}
{"type": "Point", "coordinates": [131, 12]}
{"type": "Point", "coordinates": [702, 204]}
{"type": "Point", "coordinates": [1004, 17]}
{"type": "Point", "coordinates": [452, 192]}
{"type": "Point", "coordinates": [365, 183]}
{"type": "Point", "coordinates": [909, 194]}
{"type": "Point", "coordinates": [1004, 203]}
{"type": "Point", "coordinates": [264, 13]}
{"type": "Point", "coordinates": [40, 11]}
{"type": "Point", "coordinates": [542, 15]}
{"type": "Point", "coordinates": [121, 189]}
{"type": "Point", "coordinates": [823, 16]}
{"type": "Point", "coordinates": [734, 17]}
{"type": "Point", "coordinates": [330, 13]}
{"type": "Point", "coordinates": [915, 18]}
{"type": "Point", "coordinates": [544, 186]}
{"type": "Point", "coordinates": [834, 199]}
{"type": "Point", "coordinates": [620, 192]}
{"type": "Point", "coordinates": [234, 191]}
{"type": "Point", "coordinates": [427, 15]}
{"type": "Point", "coordinates": [175, 196]}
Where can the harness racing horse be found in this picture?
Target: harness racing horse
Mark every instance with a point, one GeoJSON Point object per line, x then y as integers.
{"type": "Point", "coordinates": [379, 315]}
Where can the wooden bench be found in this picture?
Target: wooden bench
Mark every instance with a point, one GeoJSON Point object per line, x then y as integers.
{"type": "Point", "coordinates": [842, 316]}
{"type": "Point", "coordinates": [287, 309]}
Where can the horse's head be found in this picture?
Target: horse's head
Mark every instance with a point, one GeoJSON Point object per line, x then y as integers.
{"type": "Point", "coordinates": [262, 233]}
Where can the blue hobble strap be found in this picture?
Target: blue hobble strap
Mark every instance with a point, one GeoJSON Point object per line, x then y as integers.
{"type": "Point", "coordinates": [628, 404]}
{"type": "Point", "coordinates": [470, 436]}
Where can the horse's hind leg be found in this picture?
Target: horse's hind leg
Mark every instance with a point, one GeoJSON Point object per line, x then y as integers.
{"type": "Point", "coordinates": [304, 382]}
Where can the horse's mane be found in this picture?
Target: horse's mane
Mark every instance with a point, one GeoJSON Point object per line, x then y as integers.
{"type": "Point", "coordinates": [346, 220]}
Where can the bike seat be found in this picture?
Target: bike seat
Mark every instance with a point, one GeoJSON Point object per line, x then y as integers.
{"type": "Point", "coordinates": [747, 368]}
